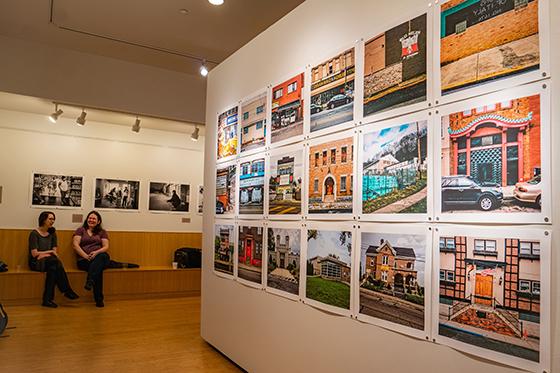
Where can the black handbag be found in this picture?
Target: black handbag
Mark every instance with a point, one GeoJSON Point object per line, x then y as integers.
{"type": "Point", "coordinates": [3, 267]}
{"type": "Point", "coordinates": [187, 257]}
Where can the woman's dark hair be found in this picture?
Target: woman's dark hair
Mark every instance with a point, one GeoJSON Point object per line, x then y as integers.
{"type": "Point", "coordinates": [98, 227]}
{"type": "Point", "coordinates": [44, 216]}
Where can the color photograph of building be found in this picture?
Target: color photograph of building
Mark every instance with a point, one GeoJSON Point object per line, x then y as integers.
{"type": "Point", "coordinates": [253, 123]}
{"type": "Point", "coordinates": [225, 190]}
{"type": "Point", "coordinates": [329, 267]}
{"type": "Point", "coordinates": [251, 186]}
{"type": "Point", "coordinates": [392, 269]}
{"type": "Point", "coordinates": [223, 248]}
{"type": "Point", "coordinates": [284, 187]}
{"type": "Point", "coordinates": [490, 293]}
{"type": "Point", "coordinates": [395, 169]}
{"type": "Point", "coordinates": [491, 157]}
{"type": "Point", "coordinates": [332, 91]}
{"type": "Point", "coordinates": [250, 253]}
{"type": "Point", "coordinates": [331, 177]}
{"type": "Point", "coordinates": [395, 67]}
{"type": "Point", "coordinates": [284, 249]}
{"type": "Point", "coordinates": [287, 109]}
{"type": "Point", "coordinates": [227, 133]}
{"type": "Point", "coordinates": [483, 40]}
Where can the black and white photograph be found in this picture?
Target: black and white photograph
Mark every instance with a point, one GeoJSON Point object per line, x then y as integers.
{"type": "Point", "coordinates": [56, 190]}
{"type": "Point", "coordinates": [116, 194]}
{"type": "Point", "coordinates": [169, 197]}
{"type": "Point", "coordinates": [200, 200]}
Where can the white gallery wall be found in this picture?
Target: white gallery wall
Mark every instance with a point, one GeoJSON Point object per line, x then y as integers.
{"type": "Point", "coordinates": [30, 143]}
{"type": "Point", "coordinates": [266, 333]}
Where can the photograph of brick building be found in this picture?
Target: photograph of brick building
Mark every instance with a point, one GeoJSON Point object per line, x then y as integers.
{"type": "Point", "coordinates": [392, 270]}
{"type": "Point", "coordinates": [287, 109]}
{"type": "Point", "coordinates": [223, 248]}
{"type": "Point", "coordinates": [395, 67]}
{"type": "Point", "coordinates": [225, 190]}
{"type": "Point", "coordinates": [250, 251]}
{"type": "Point", "coordinates": [489, 154]}
{"type": "Point", "coordinates": [482, 41]}
{"type": "Point", "coordinates": [253, 123]}
{"type": "Point", "coordinates": [489, 293]}
{"type": "Point", "coordinates": [332, 91]}
{"type": "Point", "coordinates": [227, 133]}
{"type": "Point", "coordinates": [285, 182]}
{"type": "Point", "coordinates": [251, 186]}
{"type": "Point", "coordinates": [330, 176]}
{"type": "Point", "coordinates": [284, 249]}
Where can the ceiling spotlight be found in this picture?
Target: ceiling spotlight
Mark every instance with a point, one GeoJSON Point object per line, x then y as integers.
{"type": "Point", "coordinates": [216, 2]}
{"type": "Point", "coordinates": [194, 135]}
{"type": "Point", "coordinates": [81, 120]}
{"type": "Point", "coordinates": [57, 113]}
{"type": "Point", "coordinates": [136, 126]}
{"type": "Point", "coordinates": [203, 69]}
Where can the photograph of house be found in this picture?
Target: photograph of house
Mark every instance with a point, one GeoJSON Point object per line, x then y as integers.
{"type": "Point", "coordinates": [250, 248]}
{"type": "Point", "coordinates": [490, 293]}
{"type": "Point", "coordinates": [287, 109]}
{"type": "Point", "coordinates": [251, 186]}
{"type": "Point", "coordinates": [395, 67]}
{"type": "Point", "coordinates": [491, 157]}
{"type": "Point", "coordinates": [284, 187]}
{"type": "Point", "coordinates": [225, 190]}
{"type": "Point", "coordinates": [482, 41]}
{"type": "Point", "coordinates": [328, 267]}
{"type": "Point", "coordinates": [223, 248]}
{"type": "Point", "coordinates": [284, 248]}
{"type": "Point", "coordinates": [392, 268]}
{"type": "Point", "coordinates": [253, 123]}
{"type": "Point", "coordinates": [331, 177]}
{"type": "Point", "coordinates": [332, 91]}
{"type": "Point", "coordinates": [227, 133]}
{"type": "Point", "coordinates": [395, 169]}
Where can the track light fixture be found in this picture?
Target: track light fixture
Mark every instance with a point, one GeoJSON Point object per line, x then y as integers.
{"type": "Point", "coordinates": [194, 135]}
{"type": "Point", "coordinates": [216, 2]}
{"type": "Point", "coordinates": [136, 125]}
{"type": "Point", "coordinates": [81, 120]}
{"type": "Point", "coordinates": [203, 68]}
{"type": "Point", "coordinates": [57, 113]}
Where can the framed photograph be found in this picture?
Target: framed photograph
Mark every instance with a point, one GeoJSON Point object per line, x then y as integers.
{"type": "Point", "coordinates": [494, 293]}
{"type": "Point", "coordinates": [254, 119]}
{"type": "Point", "coordinates": [200, 200]}
{"type": "Point", "coordinates": [495, 158]}
{"type": "Point", "coordinates": [328, 258]}
{"type": "Point", "coordinates": [226, 190]}
{"type": "Point", "coordinates": [484, 46]}
{"type": "Point", "coordinates": [394, 169]}
{"type": "Point", "coordinates": [56, 191]}
{"type": "Point", "coordinates": [224, 248]}
{"type": "Point", "coordinates": [394, 282]}
{"type": "Point", "coordinates": [250, 253]}
{"type": "Point", "coordinates": [251, 186]}
{"type": "Point", "coordinates": [284, 243]}
{"type": "Point", "coordinates": [285, 182]}
{"type": "Point", "coordinates": [287, 111]}
{"type": "Point", "coordinates": [170, 197]}
{"type": "Point", "coordinates": [227, 138]}
{"type": "Point", "coordinates": [116, 194]}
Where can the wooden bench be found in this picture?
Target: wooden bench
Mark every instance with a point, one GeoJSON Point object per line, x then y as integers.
{"type": "Point", "coordinates": [153, 251]}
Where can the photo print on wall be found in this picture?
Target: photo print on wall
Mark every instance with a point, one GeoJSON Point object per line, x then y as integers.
{"type": "Point", "coordinates": [287, 109]}
{"type": "Point", "coordinates": [284, 250]}
{"type": "Point", "coordinates": [56, 190]}
{"type": "Point", "coordinates": [250, 252]}
{"type": "Point", "coordinates": [200, 199]}
{"type": "Point", "coordinates": [169, 197]}
{"type": "Point", "coordinates": [253, 123]}
{"type": "Point", "coordinates": [227, 133]}
{"type": "Point", "coordinates": [116, 194]}
{"type": "Point", "coordinates": [395, 67]}
{"type": "Point", "coordinates": [251, 186]}
{"type": "Point", "coordinates": [285, 182]}
{"type": "Point", "coordinates": [225, 190]}
{"type": "Point", "coordinates": [223, 248]}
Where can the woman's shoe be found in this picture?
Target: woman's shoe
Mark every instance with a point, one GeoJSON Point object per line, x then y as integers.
{"type": "Point", "coordinates": [49, 303]}
{"type": "Point", "coordinates": [71, 295]}
{"type": "Point", "coordinates": [89, 284]}
{"type": "Point", "coordinates": [99, 304]}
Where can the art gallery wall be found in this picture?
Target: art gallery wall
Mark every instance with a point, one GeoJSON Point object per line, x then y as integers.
{"type": "Point", "coordinates": [30, 143]}
{"type": "Point", "coordinates": [275, 334]}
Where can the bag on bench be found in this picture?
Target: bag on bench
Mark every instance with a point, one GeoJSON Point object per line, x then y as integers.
{"type": "Point", "coordinates": [3, 267]}
{"type": "Point", "coordinates": [187, 257]}
{"type": "Point", "coordinates": [3, 319]}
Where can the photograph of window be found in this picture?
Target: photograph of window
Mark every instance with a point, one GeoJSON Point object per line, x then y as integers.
{"type": "Point", "coordinates": [285, 182]}
{"type": "Point", "coordinates": [253, 123]}
{"type": "Point", "coordinates": [287, 109]}
{"type": "Point", "coordinates": [227, 133]}
{"type": "Point", "coordinates": [250, 246]}
{"type": "Point", "coordinates": [56, 190]}
{"type": "Point", "coordinates": [251, 186]}
{"type": "Point", "coordinates": [225, 190]}
{"type": "Point", "coordinates": [223, 248]}
{"type": "Point", "coordinates": [284, 249]}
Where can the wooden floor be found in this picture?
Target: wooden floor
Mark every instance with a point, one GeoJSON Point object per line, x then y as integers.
{"type": "Point", "coordinates": [156, 335]}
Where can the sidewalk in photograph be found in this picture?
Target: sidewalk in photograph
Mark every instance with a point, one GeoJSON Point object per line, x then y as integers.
{"type": "Point", "coordinates": [403, 203]}
{"type": "Point", "coordinates": [393, 309]}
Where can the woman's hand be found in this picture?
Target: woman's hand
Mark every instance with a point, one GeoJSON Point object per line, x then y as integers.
{"type": "Point", "coordinates": [92, 255]}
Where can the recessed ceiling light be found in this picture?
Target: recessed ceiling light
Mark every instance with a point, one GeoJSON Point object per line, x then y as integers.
{"type": "Point", "coordinates": [183, 11]}
{"type": "Point", "coordinates": [216, 2]}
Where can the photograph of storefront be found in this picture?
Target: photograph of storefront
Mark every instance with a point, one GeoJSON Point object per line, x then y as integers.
{"type": "Point", "coordinates": [395, 67]}
{"type": "Point", "coordinates": [483, 41]}
{"type": "Point", "coordinates": [332, 91]}
{"type": "Point", "coordinates": [490, 293]}
{"type": "Point", "coordinates": [227, 133]}
{"type": "Point", "coordinates": [491, 158]}
{"type": "Point", "coordinates": [284, 187]}
{"type": "Point", "coordinates": [251, 186]}
{"type": "Point", "coordinates": [223, 248]}
{"type": "Point", "coordinates": [287, 109]}
{"type": "Point", "coordinates": [284, 248]}
{"type": "Point", "coordinates": [250, 253]}
{"type": "Point", "coordinates": [395, 169]}
{"type": "Point", "coordinates": [253, 123]}
{"type": "Point", "coordinates": [392, 277]}
{"type": "Point", "coordinates": [331, 177]}
{"type": "Point", "coordinates": [225, 190]}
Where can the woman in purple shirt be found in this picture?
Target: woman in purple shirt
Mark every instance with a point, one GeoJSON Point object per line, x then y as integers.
{"type": "Point", "coordinates": [91, 243]}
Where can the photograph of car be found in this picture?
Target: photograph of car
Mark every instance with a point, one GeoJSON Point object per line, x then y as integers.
{"type": "Point", "coordinates": [464, 190]}
{"type": "Point", "coordinates": [529, 191]}
{"type": "Point", "coordinates": [315, 108]}
{"type": "Point", "coordinates": [338, 100]}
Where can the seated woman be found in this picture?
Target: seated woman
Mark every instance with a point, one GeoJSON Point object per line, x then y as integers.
{"type": "Point", "coordinates": [91, 243]}
{"type": "Point", "coordinates": [43, 257]}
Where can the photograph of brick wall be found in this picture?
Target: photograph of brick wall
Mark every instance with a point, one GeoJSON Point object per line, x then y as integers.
{"type": "Point", "coordinates": [253, 123]}
{"type": "Point", "coordinates": [287, 109]}
{"type": "Point", "coordinates": [491, 158]}
{"type": "Point", "coordinates": [223, 248]}
{"type": "Point", "coordinates": [395, 67]}
{"type": "Point", "coordinates": [485, 40]}
{"type": "Point", "coordinates": [250, 246]}
{"type": "Point", "coordinates": [227, 133]}
{"type": "Point", "coordinates": [225, 190]}
{"type": "Point", "coordinates": [284, 187]}
{"type": "Point", "coordinates": [284, 249]}
{"type": "Point", "coordinates": [490, 293]}
{"type": "Point", "coordinates": [330, 177]}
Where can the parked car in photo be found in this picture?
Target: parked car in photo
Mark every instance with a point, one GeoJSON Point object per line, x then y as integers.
{"type": "Point", "coordinates": [338, 100]}
{"type": "Point", "coordinates": [529, 191]}
{"type": "Point", "coordinates": [463, 190]}
{"type": "Point", "coordinates": [316, 108]}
